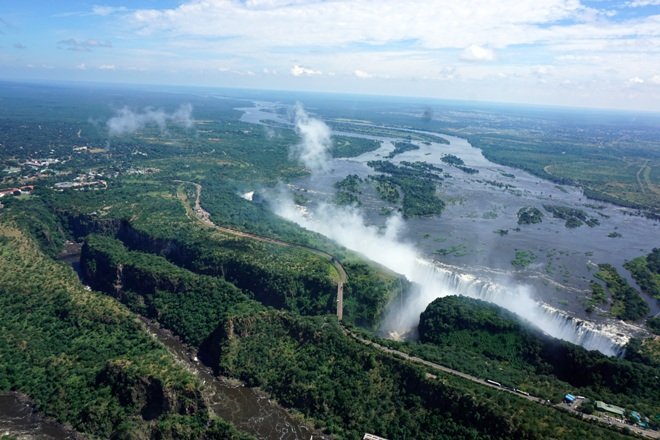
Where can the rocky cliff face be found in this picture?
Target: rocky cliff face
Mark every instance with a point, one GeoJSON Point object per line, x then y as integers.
{"type": "Point", "coordinates": [148, 394]}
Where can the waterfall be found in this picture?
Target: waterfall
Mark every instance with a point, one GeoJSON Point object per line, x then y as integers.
{"type": "Point", "coordinates": [347, 227]}
{"type": "Point", "coordinates": [438, 281]}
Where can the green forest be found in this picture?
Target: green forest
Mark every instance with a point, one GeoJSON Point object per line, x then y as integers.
{"type": "Point", "coordinates": [482, 338]}
{"type": "Point", "coordinates": [253, 295]}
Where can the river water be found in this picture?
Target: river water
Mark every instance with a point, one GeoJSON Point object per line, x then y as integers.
{"type": "Point", "coordinates": [477, 235]}
{"type": "Point", "coordinates": [248, 409]}
{"type": "Point", "coordinates": [18, 419]}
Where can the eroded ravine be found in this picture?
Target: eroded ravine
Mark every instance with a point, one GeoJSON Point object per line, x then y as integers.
{"type": "Point", "coordinates": [248, 409]}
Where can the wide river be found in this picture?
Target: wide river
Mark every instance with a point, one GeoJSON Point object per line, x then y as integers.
{"type": "Point", "coordinates": [478, 232]}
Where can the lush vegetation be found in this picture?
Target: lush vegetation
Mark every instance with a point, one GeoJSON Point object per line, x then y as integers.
{"type": "Point", "coordinates": [356, 389]}
{"type": "Point", "coordinates": [402, 147]}
{"type": "Point", "coordinates": [626, 302]}
{"type": "Point", "coordinates": [574, 217]}
{"type": "Point", "coordinates": [523, 259]}
{"type": "Point", "coordinates": [484, 339]}
{"type": "Point", "coordinates": [84, 359]}
{"type": "Point", "coordinates": [654, 324]}
{"type": "Point", "coordinates": [529, 215]}
{"type": "Point", "coordinates": [348, 189]}
{"type": "Point", "coordinates": [256, 310]}
{"type": "Point", "coordinates": [457, 162]}
{"type": "Point", "coordinates": [346, 146]}
{"type": "Point", "coordinates": [598, 296]}
{"type": "Point", "coordinates": [417, 184]}
{"type": "Point", "coordinates": [646, 272]}
{"type": "Point", "coordinates": [565, 146]}
{"type": "Point", "coordinates": [189, 304]}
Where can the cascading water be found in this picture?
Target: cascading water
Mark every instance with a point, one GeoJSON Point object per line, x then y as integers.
{"type": "Point", "coordinates": [442, 281]}
{"type": "Point", "coordinates": [347, 227]}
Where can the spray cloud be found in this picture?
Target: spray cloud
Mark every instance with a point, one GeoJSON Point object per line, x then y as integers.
{"type": "Point", "coordinates": [314, 148]}
{"type": "Point", "coordinates": [347, 226]}
{"type": "Point", "coordinates": [126, 121]}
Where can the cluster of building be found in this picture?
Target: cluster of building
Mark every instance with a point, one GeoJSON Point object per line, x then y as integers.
{"type": "Point", "coordinates": [633, 417]}
{"type": "Point", "coordinates": [27, 189]}
{"type": "Point", "coordinates": [81, 182]}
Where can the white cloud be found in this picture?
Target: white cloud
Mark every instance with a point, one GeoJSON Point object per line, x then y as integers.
{"type": "Point", "coordinates": [304, 71]}
{"type": "Point", "coordinates": [107, 10]}
{"type": "Point", "coordinates": [584, 58]}
{"type": "Point", "coordinates": [655, 79]}
{"type": "Point", "coordinates": [334, 23]}
{"type": "Point", "coordinates": [362, 74]}
{"type": "Point", "coordinates": [313, 150]}
{"type": "Point", "coordinates": [411, 44]}
{"type": "Point", "coordinates": [81, 66]}
{"type": "Point", "coordinates": [83, 45]}
{"type": "Point", "coordinates": [477, 53]}
{"type": "Point", "coordinates": [642, 3]}
{"type": "Point", "coordinates": [107, 67]}
{"type": "Point", "coordinates": [635, 80]}
{"type": "Point", "coordinates": [543, 70]}
{"type": "Point", "coordinates": [126, 121]}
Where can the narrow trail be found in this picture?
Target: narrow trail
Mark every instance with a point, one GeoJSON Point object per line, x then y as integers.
{"type": "Point", "coordinates": [198, 213]}
{"type": "Point", "coordinates": [608, 422]}
{"type": "Point", "coordinates": [640, 183]}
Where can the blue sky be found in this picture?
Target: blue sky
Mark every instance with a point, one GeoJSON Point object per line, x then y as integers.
{"type": "Point", "coordinates": [558, 52]}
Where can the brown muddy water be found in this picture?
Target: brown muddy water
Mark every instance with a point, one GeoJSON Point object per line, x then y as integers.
{"type": "Point", "coordinates": [19, 419]}
{"type": "Point", "coordinates": [248, 409]}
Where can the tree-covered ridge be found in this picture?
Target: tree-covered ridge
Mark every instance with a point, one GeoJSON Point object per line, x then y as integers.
{"type": "Point", "coordinates": [307, 363]}
{"type": "Point", "coordinates": [189, 304]}
{"type": "Point", "coordinates": [487, 334]}
{"type": "Point", "coordinates": [281, 276]}
{"type": "Point", "coordinates": [84, 359]}
{"type": "Point", "coordinates": [310, 364]}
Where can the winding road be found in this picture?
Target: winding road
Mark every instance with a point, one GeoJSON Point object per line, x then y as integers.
{"type": "Point", "coordinates": [198, 213]}
{"type": "Point", "coordinates": [608, 422]}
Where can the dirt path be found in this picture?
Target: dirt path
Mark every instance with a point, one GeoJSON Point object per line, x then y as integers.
{"type": "Point", "coordinates": [200, 214]}
{"type": "Point", "coordinates": [608, 422]}
{"type": "Point", "coordinates": [640, 183]}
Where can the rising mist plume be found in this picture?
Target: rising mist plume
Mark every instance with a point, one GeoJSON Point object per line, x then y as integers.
{"type": "Point", "coordinates": [347, 226]}
{"type": "Point", "coordinates": [313, 151]}
{"type": "Point", "coordinates": [126, 121]}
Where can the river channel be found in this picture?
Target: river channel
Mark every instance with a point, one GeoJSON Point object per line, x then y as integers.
{"type": "Point", "coordinates": [248, 409]}
{"type": "Point", "coordinates": [19, 419]}
{"type": "Point", "coordinates": [478, 231]}
{"type": "Point", "coordinates": [475, 240]}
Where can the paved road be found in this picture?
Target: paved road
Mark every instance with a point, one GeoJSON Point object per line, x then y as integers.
{"type": "Point", "coordinates": [605, 421]}
{"type": "Point", "coordinates": [203, 216]}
